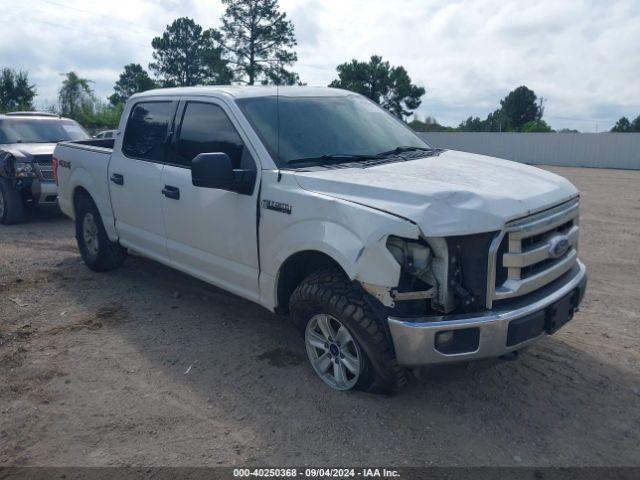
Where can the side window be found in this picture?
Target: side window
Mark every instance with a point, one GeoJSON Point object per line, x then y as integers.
{"type": "Point", "coordinates": [147, 129]}
{"type": "Point", "coordinates": [207, 129]}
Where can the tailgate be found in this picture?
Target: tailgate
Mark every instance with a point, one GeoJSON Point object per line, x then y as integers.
{"type": "Point", "coordinates": [83, 164]}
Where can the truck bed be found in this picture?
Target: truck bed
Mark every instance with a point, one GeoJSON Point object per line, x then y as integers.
{"type": "Point", "coordinates": [92, 144]}
{"type": "Point", "coordinates": [86, 163]}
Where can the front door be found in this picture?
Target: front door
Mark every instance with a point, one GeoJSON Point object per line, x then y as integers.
{"type": "Point", "coordinates": [135, 178]}
{"type": "Point", "coordinates": [210, 233]}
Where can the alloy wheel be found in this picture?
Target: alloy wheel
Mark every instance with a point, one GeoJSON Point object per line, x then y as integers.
{"type": "Point", "coordinates": [90, 233]}
{"type": "Point", "coordinates": [333, 352]}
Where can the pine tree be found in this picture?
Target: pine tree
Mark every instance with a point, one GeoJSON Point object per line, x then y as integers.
{"type": "Point", "coordinates": [259, 41]}
{"type": "Point", "coordinates": [187, 55]}
{"type": "Point", "coordinates": [133, 79]}
{"type": "Point", "coordinates": [389, 86]}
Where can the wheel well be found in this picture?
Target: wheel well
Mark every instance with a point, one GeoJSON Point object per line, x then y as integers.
{"type": "Point", "coordinates": [78, 193]}
{"type": "Point", "coordinates": [295, 269]}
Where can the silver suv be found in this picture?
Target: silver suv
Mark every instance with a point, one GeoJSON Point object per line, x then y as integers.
{"type": "Point", "coordinates": [27, 140]}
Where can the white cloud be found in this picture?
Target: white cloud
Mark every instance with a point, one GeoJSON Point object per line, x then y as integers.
{"type": "Point", "coordinates": [583, 56]}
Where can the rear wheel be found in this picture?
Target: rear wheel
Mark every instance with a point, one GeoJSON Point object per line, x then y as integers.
{"type": "Point", "coordinates": [11, 203]}
{"type": "Point", "coordinates": [347, 343]}
{"type": "Point", "coordinates": [98, 252]}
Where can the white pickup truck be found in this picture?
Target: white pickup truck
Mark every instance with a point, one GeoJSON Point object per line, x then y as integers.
{"type": "Point", "coordinates": [387, 253]}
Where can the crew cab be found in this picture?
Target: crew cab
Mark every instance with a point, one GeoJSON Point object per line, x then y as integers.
{"type": "Point", "coordinates": [27, 140]}
{"type": "Point", "coordinates": [387, 253]}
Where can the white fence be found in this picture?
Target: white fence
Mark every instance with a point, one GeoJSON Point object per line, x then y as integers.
{"type": "Point", "coordinates": [599, 150]}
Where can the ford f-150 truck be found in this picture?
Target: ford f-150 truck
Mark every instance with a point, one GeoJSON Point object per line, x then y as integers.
{"type": "Point", "coordinates": [27, 140]}
{"type": "Point", "coordinates": [387, 253]}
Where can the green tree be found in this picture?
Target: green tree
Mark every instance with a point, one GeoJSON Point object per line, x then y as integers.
{"type": "Point", "coordinates": [623, 125]}
{"type": "Point", "coordinates": [259, 41]}
{"type": "Point", "coordinates": [473, 124]}
{"type": "Point", "coordinates": [76, 100]}
{"type": "Point", "coordinates": [75, 97]}
{"type": "Point", "coordinates": [15, 91]}
{"type": "Point", "coordinates": [103, 116]}
{"type": "Point", "coordinates": [187, 55]}
{"type": "Point", "coordinates": [520, 107]}
{"type": "Point", "coordinates": [497, 122]}
{"type": "Point", "coordinates": [429, 124]}
{"type": "Point", "coordinates": [536, 126]}
{"type": "Point", "coordinates": [132, 80]}
{"type": "Point", "coordinates": [388, 86]}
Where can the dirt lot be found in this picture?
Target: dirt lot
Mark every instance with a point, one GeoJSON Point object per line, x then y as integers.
{"type": "Point", "coordinates": [146, 366]}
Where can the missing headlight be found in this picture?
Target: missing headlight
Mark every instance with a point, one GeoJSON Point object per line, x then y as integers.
{"type": "Point", "coordinates": [417, 286]}
{"type": "Point", "coordinates": [413, 256]}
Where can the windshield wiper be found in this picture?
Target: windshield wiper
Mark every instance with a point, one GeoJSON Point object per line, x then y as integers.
{"type": "Point", "coordinates": [332, 159]}
{"type": "Point", "coordinates": [404, 149]}
{"type": "Point", "coordinates": [337, 158]}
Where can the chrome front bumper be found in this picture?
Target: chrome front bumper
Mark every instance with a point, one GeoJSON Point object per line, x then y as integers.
{"type": "Point", "coordinates": [415, 339]}
{"type": "Point", "coordinates": [44, 193]}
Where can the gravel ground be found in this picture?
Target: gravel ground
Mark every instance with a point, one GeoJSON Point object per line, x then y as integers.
{"type": "Point", "coordinates": [146, 366]}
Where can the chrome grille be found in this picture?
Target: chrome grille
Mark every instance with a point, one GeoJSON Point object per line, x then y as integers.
{"type": "Point", "coordinates": [44, 167]}
{"type": "Point", "coordinates": [46, 174]}
{"type": "Point", "coordinates": [532, 252]}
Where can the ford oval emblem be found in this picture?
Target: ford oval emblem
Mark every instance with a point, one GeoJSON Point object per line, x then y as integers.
{"type": "Point", "coordinates": [558, 246]}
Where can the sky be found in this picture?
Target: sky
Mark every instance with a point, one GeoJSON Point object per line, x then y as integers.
{"type": "Point", "coordinates": [582, 56]}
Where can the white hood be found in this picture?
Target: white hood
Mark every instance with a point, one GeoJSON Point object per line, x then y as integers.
{"type": "Point", "coordinates": [455, 193]}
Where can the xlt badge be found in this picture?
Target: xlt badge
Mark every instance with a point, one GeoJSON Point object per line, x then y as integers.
{"type": "Point", "coordinates": [277, 206]}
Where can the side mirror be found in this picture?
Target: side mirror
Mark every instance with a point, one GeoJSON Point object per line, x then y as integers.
{"type": "Point", "coordinates": [214, 170]}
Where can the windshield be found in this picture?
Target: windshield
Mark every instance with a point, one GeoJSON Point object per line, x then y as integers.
{"type": "Point", "coordinates": [316, 127]}
{"type": "Point", "coordinates": [39, 130]}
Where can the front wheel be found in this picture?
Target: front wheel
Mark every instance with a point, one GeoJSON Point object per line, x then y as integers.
{"type": "Point", "coordinates": [98, 252]}
{"type": "Point", "coordinates": [333, 352]}
{"type": "Point", "coordinates": [347, 343]}
{"type": "Point", "coordinates": [11, 203]}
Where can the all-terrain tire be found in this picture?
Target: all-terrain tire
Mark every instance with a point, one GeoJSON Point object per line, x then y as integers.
{"type": "Point", "coordinates": [330, 292]}
{"type": "Point", "coordinates": [12, 209]}
{"type": "Point", "coordinates": [107, 255]}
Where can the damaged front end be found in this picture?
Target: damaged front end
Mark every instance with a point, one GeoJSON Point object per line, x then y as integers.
{"type": "Point", "coordinates": [437, 275]}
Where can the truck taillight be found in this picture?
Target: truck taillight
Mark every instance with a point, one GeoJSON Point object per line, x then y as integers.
{"type": "Point", "coordinates": [54, 165]}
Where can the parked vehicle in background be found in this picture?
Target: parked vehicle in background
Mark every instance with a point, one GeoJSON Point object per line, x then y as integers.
{"type": "Point", "coordinates": [27, 140]}
{"type": "Point", "coordinates": [106, 134]}
{"type": "Point", "coordinates": [387, 253]}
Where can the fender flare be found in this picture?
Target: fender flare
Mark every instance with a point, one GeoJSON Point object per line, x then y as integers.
{"type": "Point", "coordinates": [366, 260]}
{"type": "Point", "coordinates": [81, 178]}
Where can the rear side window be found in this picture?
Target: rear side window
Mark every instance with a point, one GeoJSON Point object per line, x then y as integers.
{"type": "Point", "coordinates": [207, 129]}
{"type": "Point", "coordinates": [147, 129]}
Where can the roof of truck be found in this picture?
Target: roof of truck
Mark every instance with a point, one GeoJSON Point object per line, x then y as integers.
{"type": "Point", "coordinates": [30, 113]}
{"type": "Point", "coordinates": [237, 91]}
{"type": "Point", "coordinates": [32, 116]}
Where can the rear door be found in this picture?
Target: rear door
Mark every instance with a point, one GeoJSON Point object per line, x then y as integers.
{"type": "Point", "coordinates": [211, 233]}
{"type": "Point", "coordinates": [135, 177]}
